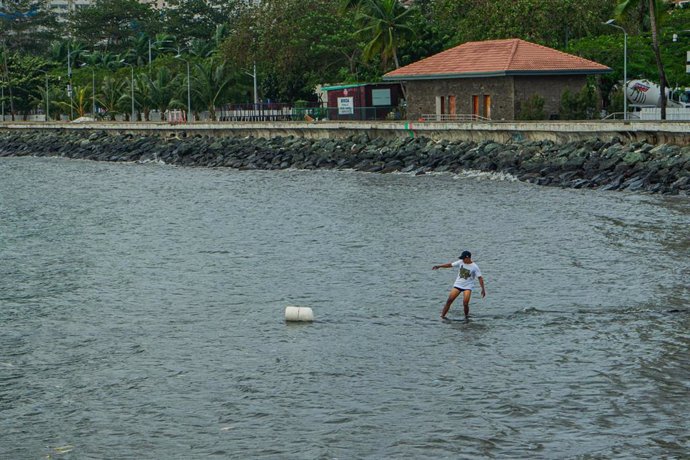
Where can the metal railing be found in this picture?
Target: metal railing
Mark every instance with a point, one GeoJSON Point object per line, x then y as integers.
{"type": "Point", "coordinates": [453, 117]}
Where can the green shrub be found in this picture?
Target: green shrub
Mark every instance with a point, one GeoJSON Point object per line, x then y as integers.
{"type": "Point", "coordinates": [532, 109]}
{"type": "Point", "coordinates": [579, 106]}
{"type": "Point", "coordinates": [616, 100]}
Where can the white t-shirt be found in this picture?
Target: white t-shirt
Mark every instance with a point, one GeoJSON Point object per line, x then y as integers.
{"type": "Point", "coordinates": [467, 273]}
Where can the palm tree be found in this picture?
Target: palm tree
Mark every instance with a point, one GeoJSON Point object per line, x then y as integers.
{"type": "Point", "coordinates": [386, 25]}
{"type": "Point", "coordinates": [80, 103]}
{"type": "Point", "coordinates": [142, 95]}
{"type": "Point", "coordinates": [349, 4]}
{"type": "Point", "coordinates": [124, 100]}
{"type": "Point", "coordinates": [139, 51]}
{"type": "Point", "coordinates": [654, 8]}
{"type": "Point", "coordinates": [161, 90]}
{"type": "Point", "coordinates": [201, 48]}
{"type": "Point", "coordinates": [109, 95]}
{"type": "Point", "coordinates": [163, 43]}
{"type": "Point", "coordinates": [210, 83]}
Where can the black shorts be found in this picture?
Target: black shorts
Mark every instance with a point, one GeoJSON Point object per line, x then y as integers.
{"type": "Point", "coordinates": [461, 289]}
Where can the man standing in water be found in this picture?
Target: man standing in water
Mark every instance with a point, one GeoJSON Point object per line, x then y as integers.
{"type": "Point", "coordinates": [468, 271]}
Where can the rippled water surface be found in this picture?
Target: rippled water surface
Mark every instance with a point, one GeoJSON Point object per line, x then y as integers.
{"type": "Point", "coordinates": [141, 316]}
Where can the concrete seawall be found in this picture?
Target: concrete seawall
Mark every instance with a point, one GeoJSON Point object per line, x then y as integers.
{"type": "Point", "coordinates": [651, 132]}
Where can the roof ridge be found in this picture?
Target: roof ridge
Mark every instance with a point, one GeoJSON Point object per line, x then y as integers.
{"type": "Point", "coordinates": [513, 52]}
{"type": "Point", "coordinates": [564, 53]}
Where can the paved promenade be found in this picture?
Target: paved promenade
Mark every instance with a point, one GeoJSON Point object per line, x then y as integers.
{"type": "Point", "coordinates": [652, 132]}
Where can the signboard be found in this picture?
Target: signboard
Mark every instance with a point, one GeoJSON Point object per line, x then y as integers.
{"type": "Point", "coordinates": [687, 62]}
{"type": "Point", "coordinates": [346, 105]}
{"type": "Point", "coordinates": [381, 96]}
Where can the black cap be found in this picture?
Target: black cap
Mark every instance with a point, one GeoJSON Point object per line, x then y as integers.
{"type": "Point", "coordinates": [466, 254]}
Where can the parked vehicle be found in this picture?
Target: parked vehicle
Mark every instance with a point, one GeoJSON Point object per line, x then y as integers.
{"type": "Point", "coordinates": [645, 93]}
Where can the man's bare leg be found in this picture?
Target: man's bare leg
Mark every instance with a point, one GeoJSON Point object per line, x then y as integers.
{"type": "Point", "coordinates": [466, 295]}
{"type": "Point", "coordinates": [451, 297]}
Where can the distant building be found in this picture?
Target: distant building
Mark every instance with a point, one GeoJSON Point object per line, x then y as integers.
{"type": "Point", "coordinates": [491, 79]}
{"type": "Point", "coordinates": [63, 7]}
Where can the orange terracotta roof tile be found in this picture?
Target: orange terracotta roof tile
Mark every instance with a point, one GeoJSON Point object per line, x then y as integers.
{"type": "Point", "coordinates": [496, 58]}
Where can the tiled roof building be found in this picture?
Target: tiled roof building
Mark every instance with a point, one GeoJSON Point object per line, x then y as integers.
{"type": "Point", "coordinates": [491, 79]}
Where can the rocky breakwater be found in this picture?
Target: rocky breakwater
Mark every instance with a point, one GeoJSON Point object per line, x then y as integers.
{"type": "Point", "coordinates": [586, 164]}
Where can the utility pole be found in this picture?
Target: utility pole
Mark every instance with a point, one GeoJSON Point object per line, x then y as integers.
{"type": "Point", "coordinates": [69, 82]}
{"type": "Point", "coordinates": [7, 79]}
{"type": "Point", "coordinates": [625, 66]}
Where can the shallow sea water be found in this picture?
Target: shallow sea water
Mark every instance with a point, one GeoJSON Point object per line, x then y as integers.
{"type": "Point", "coordinates": [141, 316]}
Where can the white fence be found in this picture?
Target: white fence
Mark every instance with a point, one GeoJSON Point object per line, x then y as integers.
{"type": "Point", "coordinates": [673, 113]}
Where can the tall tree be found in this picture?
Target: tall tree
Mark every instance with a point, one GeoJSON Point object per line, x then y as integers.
{"type": "Point", "coordinates": [26, 25]}
{"type": "Point", "coordinates": [654, 8]}
{"type": "Point", "coordinates": [110, 23]}
{"type": "Point", "coordinates": [548, 22]}
{"type": "Point", "coordinates": [198, 19]}
{"type": "Point", "coordinates": [385, 25]}
{"type": "Point", "coordinates": [296, 44]}
{"type": "Point", "coordinates": [23, 81]}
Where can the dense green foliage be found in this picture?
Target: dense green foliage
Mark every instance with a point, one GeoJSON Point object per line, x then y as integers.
{"type": "Point", "coordinates": [296, 45]}
{"type": "Point", "coordinates": [532, 109]}
{"type": "Point", "coordinates": [578, 106]}
{"type": "Point", "coordinates": [549, 22]}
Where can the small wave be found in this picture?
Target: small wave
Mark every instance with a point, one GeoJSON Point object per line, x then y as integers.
{"type": "Point", "coordinates": [157, 161]}
{"type": "Point", "coordinates": [538, 311]}
{"type": "Point", "coordinates": [488, 175]}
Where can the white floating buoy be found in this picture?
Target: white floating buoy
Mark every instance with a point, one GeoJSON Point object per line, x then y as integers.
{"type": "Point", "coordinates": [299, 314]}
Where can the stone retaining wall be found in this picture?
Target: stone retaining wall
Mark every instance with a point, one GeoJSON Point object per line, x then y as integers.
{"type": "Point", "coordinates": [610, 165]}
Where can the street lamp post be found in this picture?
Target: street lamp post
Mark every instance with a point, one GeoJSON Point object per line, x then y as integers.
{"type": "Point", "coordinates": [93, 90]}
{"type": "Point", "coordinates": [47, 102]}
{"type": "Point", "coordinates": [47, 96]}
{"type": "Point", "coordinates": [256, 100]}
{"type": "Point", "coordinates": [132, 117]}
{"type": "Point", "coordinates": [189, 88]}
{"type": "Point", "coordinates": [122, 61]}
{"type": "Point", "coordinates": [69, 82]}
{"type": "Point", "coordinates": [253, 75]}
{"type": "Point", "coordinates": [610, 22]}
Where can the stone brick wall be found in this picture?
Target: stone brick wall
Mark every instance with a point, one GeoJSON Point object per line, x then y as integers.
{"type": "Point", "coordinates": [421, 95]}
{"type": "Point", "coordinates": [549, 87]}
{"type": "Point", "coordinates": [507, 94]}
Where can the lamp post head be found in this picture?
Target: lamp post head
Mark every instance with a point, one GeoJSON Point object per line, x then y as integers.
{"type": "Point", "coordinates": [610, 21]}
